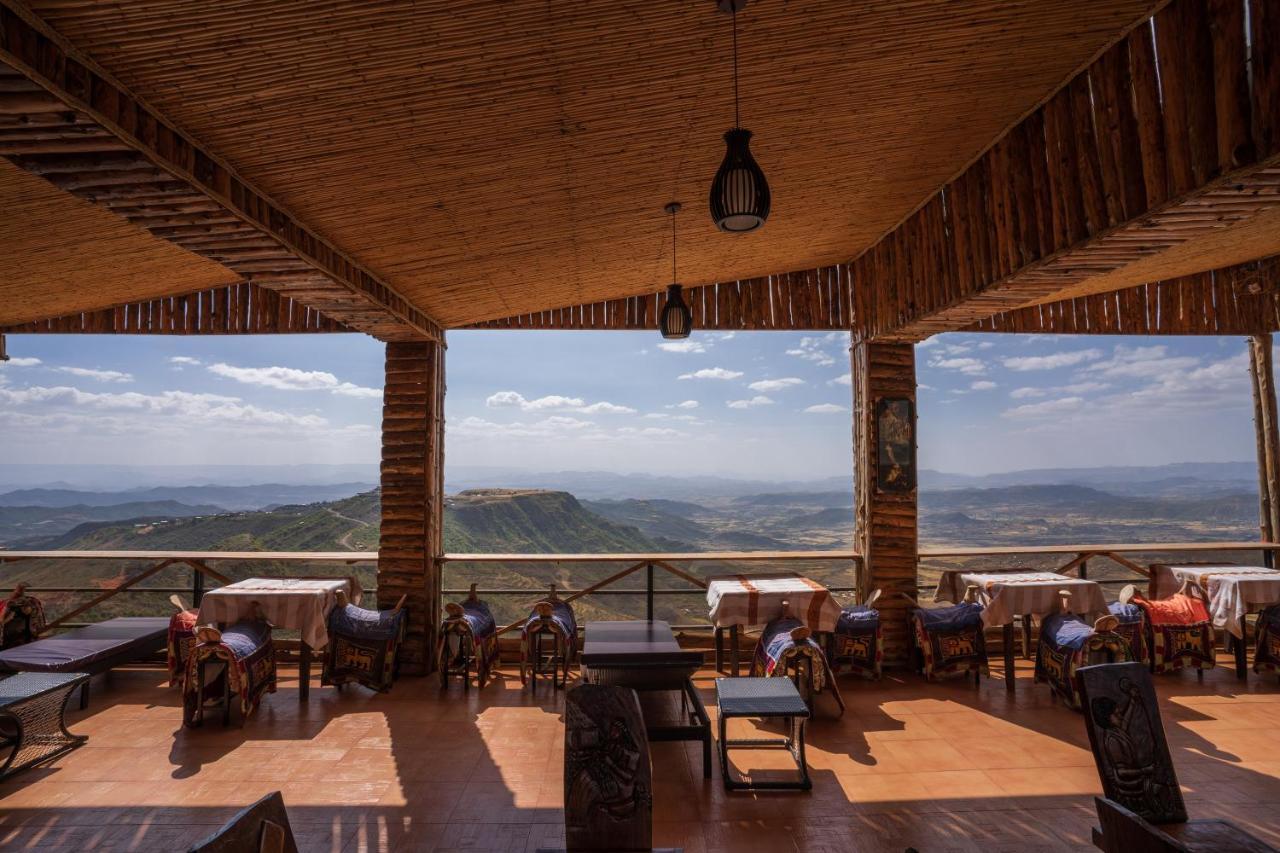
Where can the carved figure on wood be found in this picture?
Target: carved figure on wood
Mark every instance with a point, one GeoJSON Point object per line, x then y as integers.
{"type": "Point", "coordinates": [608, 787]}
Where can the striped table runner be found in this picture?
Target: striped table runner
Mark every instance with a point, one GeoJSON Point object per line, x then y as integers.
{"type": "Point", "coordinates": [753, 600]}
{"type": "Point", "coordinates": [301, 604]}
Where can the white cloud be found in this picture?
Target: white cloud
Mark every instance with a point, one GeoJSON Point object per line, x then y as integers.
{"type": "Point", "coordinates": [100, 375]}
{"type": "Point", "coordinates": [815, 349]}
{"type": "Point", "coordinates": [982, 385]}
{"type": "Point", "coordinates": [927, 343]}
{"type": "Point", "coordinates": [554, 402]}
{"type": "Point", "coordinates": [201, 408]}
{"type": "Point", "coordinates": [1083, 387]}
{"type": "Point", "coordinates": [758, 400]}
{"type": "Point", "coordinates": [712, 373]}
{"type": "Point", "coordinates": [291, 379]}
{"type": "Point", "coordinates": [825, 409]}
{"type": "Point", "coordinates": [1143, 363]}
{"type": "Point", "coordinates": [687, 404]}
{"type": "Point", "coordinates": [965, 365]}
{"type": "Point", "coordinates": [683, 346]}
{"type": "Point", "coordinates": [183, 359]}
{"type": "Point", "coordinates": [15, 361]}
{"type": "Point", "coordinates": [1023, 393]}
{"type": "Point", "coordinates": [842, 379]}
{"type": "Point", "coordinates": [1046, 409]}
{"type": "Point", "coordinates": [767, 385]}
{"type": "Point", "coordinates": [1052, 361]}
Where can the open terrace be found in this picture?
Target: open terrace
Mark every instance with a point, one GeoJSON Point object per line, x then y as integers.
{"type": "Point", "coordinates": [402, 170]}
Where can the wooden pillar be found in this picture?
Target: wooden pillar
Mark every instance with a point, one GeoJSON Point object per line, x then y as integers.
{"type": "Point", "coordinates": [1264, 421]}
{"type": "Point", "coordinates": [884, 430]}
{"type": "Point", "coordinates": [413, 494]}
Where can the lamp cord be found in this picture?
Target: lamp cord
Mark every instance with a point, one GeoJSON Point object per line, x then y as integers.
{"type": "Point", "coordinates": [673, 247]}
{"type": "Point", "coordinates": [737, 119]}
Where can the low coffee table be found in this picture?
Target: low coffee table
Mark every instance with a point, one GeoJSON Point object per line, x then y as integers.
{"type": "Point", "coordinates": [763, 698]}
{"type": "Point", "coordinates": [646, 657]}
{"type": "Point", "coordinates": [33, 721]}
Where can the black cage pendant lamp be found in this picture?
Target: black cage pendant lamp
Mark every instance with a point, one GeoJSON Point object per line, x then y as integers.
{"type": "Point", "coordinates": [739, 193]}
{"type": "Point", "coordinates": [676, 320]}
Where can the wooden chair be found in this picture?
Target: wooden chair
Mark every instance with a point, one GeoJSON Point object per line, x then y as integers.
{"type": "Point", "coordinates": [182, 639]}
{"type": "Point", "coordinates": [364, 645]}
{"type": "Point", "coordinates": [1143, 809]}
{"type": "Point", "coordinates": [261, 828]}
{"type": "Point", "coordinates": [786, 647]}
{"type": "Point", "coordinates": [1179, 631]}
{"type": "Point", "coordinates": [468, 641]}
{"type": "Point", "coordinates": [856, 644]}
{"type": "Point", "coordinates": [1068, 643]}
{"type": "Point", "coordinates": [21, 618]}
{"type": "Point", "coordinates": [245, 657]}
{"type": "Point", "coordinates": [951, 640]}
{"type": "Point", "coordinates": [550, 620]}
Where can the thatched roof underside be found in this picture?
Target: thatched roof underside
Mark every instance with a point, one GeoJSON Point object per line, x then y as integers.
{"type": "Point", "coordinates": [488, 160]}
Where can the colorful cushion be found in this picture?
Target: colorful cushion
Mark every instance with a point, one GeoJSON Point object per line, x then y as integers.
{"type": "Point", "coordinates": [950, 640]}
{"type": "Point", "coordinates": [856, 643]}
{"type": "Point", "coordinates": [363, 645]}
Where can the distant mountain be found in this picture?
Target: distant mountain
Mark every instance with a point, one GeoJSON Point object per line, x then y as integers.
{"type": "Point", "coordinates": [258, 496]}
{"type": "Point", "coordinates": [1113, 479]}
{"type": "Point", "coordinates": [1065, 500]}
{"type": "Point", "coordinates": [670, 521]}
{"type": "Point", "coordinates": [31, 525]}
{"type": "Point", "coordinates": [834, 499]}
{"type": "Point", "coordinates": [46, 475]}
{"type": "Point", "coordinates": [604, 485]}
{"type": "Point", "coordinates": [533, 521]}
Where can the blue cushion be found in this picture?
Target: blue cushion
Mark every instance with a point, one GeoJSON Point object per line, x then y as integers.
{"type": "Point", "coordinates": [1065, 631]}
{"type": "Point", "coordinates": [858, 619]}
{"type": "Point", "coordinates": [1128, 614]}
{"type": "Point", "coordinates": [245, 638]}
{"type": "Point", "coordinates": [361, 624]}
{"type": "Point", "coordinates": [957, 617]}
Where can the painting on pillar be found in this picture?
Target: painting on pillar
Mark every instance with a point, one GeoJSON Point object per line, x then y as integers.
{"type": "Point", "coordinates": [895, 446]}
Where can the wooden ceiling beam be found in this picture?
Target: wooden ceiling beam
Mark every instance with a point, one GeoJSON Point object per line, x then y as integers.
{"type": "Point", "coordinates": [85, 133]}
{"type": "Point", "coordinates": [1170, 135]}
{"type": "Point", "coordinates": [1238, 300]}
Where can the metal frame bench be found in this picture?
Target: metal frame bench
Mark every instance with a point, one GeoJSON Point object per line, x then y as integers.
{"type": "Point", "coordinates": [92, 649]}
{"type": "Point", "coordinates": [763, 698]}
{"type": "Point", "coordinates": [33, 722]}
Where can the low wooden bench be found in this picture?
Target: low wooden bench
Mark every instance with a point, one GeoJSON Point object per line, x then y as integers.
{"type": "Point", "coordinates": [92, 649]}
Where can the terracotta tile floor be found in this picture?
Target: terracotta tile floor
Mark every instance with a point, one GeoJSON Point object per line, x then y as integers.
{"type": "Point", "coordinates": [942, 767]}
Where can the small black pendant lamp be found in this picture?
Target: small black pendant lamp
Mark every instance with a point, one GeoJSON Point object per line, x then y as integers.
{"type": "Point", "coordinates": [739, 192]}
{"type": "Point", "coordinates": [4, 356]}
{"type": "Point", "coordinates": [676, 320]}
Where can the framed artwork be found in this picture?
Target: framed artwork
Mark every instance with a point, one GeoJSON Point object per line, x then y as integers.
{"type": "Point", "coordinates": [895, 445]}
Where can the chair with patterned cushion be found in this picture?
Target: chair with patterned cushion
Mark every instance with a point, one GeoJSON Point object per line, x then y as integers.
{"type": "Point", "coordinates": [182, 639]}
{"type": "Point", "coordinates": [1266, 651]}
{"type": "Point", "coordinates": [552, 621]}
{"type": "Point", "coordinates": [364, 645]}
{"type": "Point", "coordinates": [950, 641]}
{"type": "Point", "coordinates": [855, 645]}
{"type": "Point", "coordinates": [261, 828]}
{"type": "Point", "coordinates": [468, 641]}
{"type": "Point", "coordinates": [786, 647]}
{"type": "Point", "coordinates": [1067, 643]}
{"type": "Point", "coordinates": [1179, 630]}
{"type": "Point", "coordinates": [1133, 628]}
{"type": "Point", "coordinates": [21, 618]}
{"type": "Point", "coordinates": [238, 661]}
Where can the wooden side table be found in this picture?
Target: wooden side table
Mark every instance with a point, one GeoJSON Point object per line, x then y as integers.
{"type": "Point", "coordinates": [763, 698]}
{"type": "Point", "coordinates": [33, 721]}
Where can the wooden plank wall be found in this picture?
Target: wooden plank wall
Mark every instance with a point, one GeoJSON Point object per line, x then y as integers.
{"type": "Point", "coordinates": [237, 309]}
{"type": "Point", "coordinates": [886, 525]}
{"type": "Point", "coordinates": [1169, 135]}
{"type": "Point", "coordinates": [817, 300]}
{"type": "Point", "coordinates": [413, 494]}
{"type": "Point", "coordinates": [1239, 300]}
{"type": "Point", "coordinates": [65, 120]}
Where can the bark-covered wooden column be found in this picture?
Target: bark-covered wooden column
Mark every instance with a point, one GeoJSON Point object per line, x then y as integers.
{"type": "Point", "coordinates": [1262, 372]}
{"type": "Point", "coordinates": [884, 436]}
{"type": "Point", "coordinates": [413, 494]}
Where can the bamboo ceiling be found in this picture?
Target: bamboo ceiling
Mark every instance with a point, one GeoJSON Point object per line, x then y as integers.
{"type": "Point", "coordinates": [59, 254]}
{"type": "Point", "coordinates": [488, 160]}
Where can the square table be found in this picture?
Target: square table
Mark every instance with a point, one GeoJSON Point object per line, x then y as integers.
{"type": "Point", "coordinates": [1005, 595]}
{"type": "Point", "coordinates": [646, 657]}
{"type": "Point", "coordinates": [1232, 592]}
{"type": "Point", "coordinates": [300, 604]}
{"type": "Point", "coordinates": [753, 600]}
{"type": "Point", "coordinates": [763, 698]}
{"type": "Point", "coordinates": [34, 705]}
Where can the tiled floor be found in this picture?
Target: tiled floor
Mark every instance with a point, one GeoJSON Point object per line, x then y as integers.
{"type": "Point", "coordinates": [943, 767]}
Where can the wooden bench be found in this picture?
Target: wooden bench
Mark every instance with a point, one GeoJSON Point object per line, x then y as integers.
{"type": "Point", "coordinates": [92, 649]}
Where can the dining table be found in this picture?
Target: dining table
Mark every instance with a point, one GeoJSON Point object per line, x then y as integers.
{"type": "Point", "coordinates": [1233, 592]}
{"type": "Point", "coordinates": [1006, 595]}
{"type": "Point", "coordinates": [754, 600]}
{"type": "Point", "coordinates": [299, 604]}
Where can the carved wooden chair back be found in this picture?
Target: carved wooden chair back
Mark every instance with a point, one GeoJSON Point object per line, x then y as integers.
{"type": "Point", "coordinates": [608, 780]}
{"type": "Point", "coordinates": [1122, 716]}
{"type": "Point", "coordinates": [261, 828]}
{"type": "Point", "coordinates": [1125, 832]}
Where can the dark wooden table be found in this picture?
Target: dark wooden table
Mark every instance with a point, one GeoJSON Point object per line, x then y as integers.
{"type": "Point", "coordinates": [646, 657]}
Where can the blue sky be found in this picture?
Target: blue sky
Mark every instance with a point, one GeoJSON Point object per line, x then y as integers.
{"type": "Point", "coordinates": [757, 405]}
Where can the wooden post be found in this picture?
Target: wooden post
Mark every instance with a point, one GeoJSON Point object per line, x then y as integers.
{"type": "Point", "coordinates": [1265, 427]}
{"type": "Point", "coordinates": [884, 376]}
{"type": "Point", "coordinates": [413, 495]}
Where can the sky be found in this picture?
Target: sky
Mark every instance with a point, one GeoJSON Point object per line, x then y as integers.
{"type": "Point", "coordinates": [755, 405]}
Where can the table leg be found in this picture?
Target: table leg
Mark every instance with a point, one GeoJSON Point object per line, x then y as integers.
{"type": "Point", "coordinates": [719, 650]}
{"type": "Point", "coordinates": [1242, 653]}
{"type": "Point", "coordinates": [1008, 656]}
{"type": "Point", "coordinates": [733, 652]}
{"type": "Point", "coordinates": [304, 672]}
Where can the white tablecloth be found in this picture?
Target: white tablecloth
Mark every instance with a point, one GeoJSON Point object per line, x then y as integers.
{"type": "Point", "coordinates": [294, 603]}
{"type": "Point", "coordinates": [1233, 590]}
{"type": "Point", "coordinates": [752, 600]}
{"type": "Point", "coordinates": [1004, 595]}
